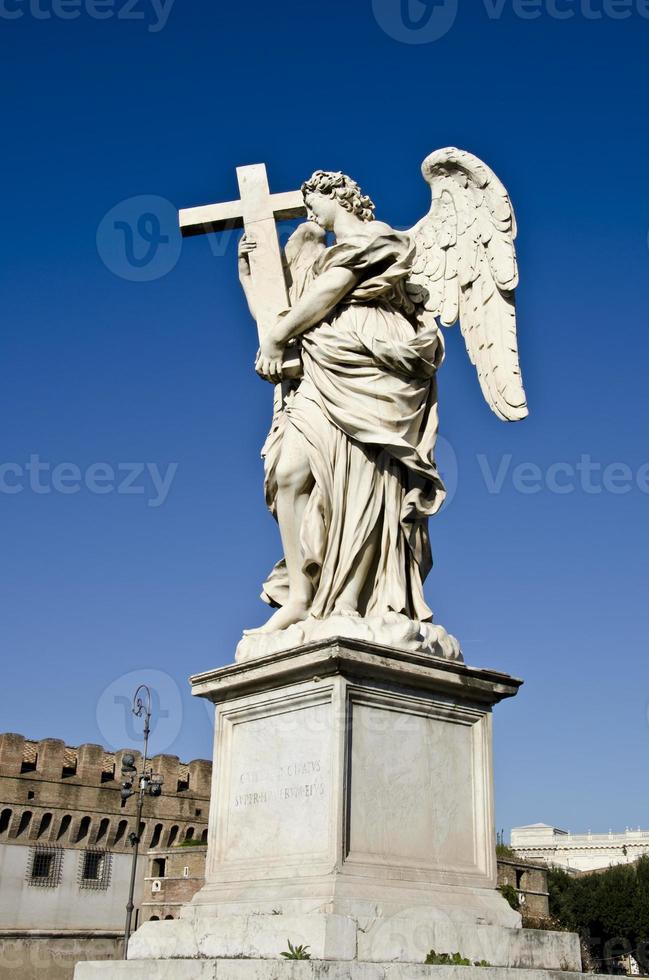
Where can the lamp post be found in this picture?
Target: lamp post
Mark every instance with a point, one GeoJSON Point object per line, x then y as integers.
{"type": "Point", "coordinates": [147, 785]}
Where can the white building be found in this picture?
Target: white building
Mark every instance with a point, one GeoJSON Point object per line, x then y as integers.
{"type": "Point", "coordinates": [578, 852]}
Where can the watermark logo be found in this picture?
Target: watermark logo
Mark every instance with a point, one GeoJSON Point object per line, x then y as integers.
{"type": "Point", "coordinates": [154, 13]}
{"type": "Point", "coordinates": [139, 239]}
{"type": "Point", "coordinates": [116, 722]}
{"type": "Point", "coordinates": [584, 475]}
{"type": "Point", "coordinates": [410, 936]}
{"type": "Point", "coordinates": [425, 21]}
{"type": "Point", "coordinates": [147, 480]}
{"type": "Point", "coordinates": [567, 9]}
{"type": "Point", "coordinates": [415, 21]}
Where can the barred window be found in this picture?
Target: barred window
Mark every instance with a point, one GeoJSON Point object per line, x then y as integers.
{"type": "Point", "coordinates": [94, 869]}
{"type": "Point", "coordinates": [44, 866]}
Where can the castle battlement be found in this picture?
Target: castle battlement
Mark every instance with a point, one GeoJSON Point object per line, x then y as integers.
{"type": "Point", "coordinates": [69, 796]}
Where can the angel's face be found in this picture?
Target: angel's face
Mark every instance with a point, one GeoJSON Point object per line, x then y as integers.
{"type": "Point", "coordinates": [322, 209]}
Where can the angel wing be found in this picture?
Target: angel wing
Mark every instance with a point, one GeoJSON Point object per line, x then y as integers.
{"type": "Point", "coordinates": [465, 268]}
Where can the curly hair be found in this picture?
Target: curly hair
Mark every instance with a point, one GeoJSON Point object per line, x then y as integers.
{"type": "Point", "coordinates": [345, 190]}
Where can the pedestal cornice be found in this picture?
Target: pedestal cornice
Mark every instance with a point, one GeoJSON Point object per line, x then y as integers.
{"type": "Point", "coordinates": [355, 660]}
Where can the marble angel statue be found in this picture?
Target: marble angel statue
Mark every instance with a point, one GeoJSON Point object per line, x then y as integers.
{"type": "Point", "coordinates": [350, 460]}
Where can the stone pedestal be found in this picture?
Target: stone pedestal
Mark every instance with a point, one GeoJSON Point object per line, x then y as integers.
{"type": "Point", "coordinates": [353, 780]}
{"type": "Point", "coordinates": [352, 811]}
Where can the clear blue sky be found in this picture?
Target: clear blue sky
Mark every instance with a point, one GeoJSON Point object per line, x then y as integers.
{"type": "Point", "coordinates": [112, 360]}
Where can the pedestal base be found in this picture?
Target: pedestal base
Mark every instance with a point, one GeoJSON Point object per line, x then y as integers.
{"type": "Point", "coordinates": [404, 938]}
{"type": "Point", "coordinates": [241, 969]}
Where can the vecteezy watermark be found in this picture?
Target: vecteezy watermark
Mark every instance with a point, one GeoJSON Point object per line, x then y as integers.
{"type": "Point", "coordinates": [585, 475]}
{"type": "Point", "coordinates": [155, 13]}
{"type": "Point", "coordinates": [425, 21]}
{"type": "Point", "coordinates": [567, 9]}
{"type": "Point", "coordinates": [415, 21]}
{"type": "Point", "coordinates": [41, 477]}
{"type": "Point", "coordinates": [115, 718]}
{"type": "Point", "coordinates": [139, 238]}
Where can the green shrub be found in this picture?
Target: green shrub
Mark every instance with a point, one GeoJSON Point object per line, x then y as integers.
{"type": "Point", "coordinates": [609, 909]}
{"type": "Point", "coordinates": [509, 893]}
{"type": "Point", "coordinates": [451, 959]}
{"type": "Point", "coordinates": [446, 959]}
{"type": "Point", "coordinates": [296, 952]}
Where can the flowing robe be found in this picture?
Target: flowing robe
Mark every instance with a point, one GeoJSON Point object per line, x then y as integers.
{"type": "Point", "coordinates": [367, 411]}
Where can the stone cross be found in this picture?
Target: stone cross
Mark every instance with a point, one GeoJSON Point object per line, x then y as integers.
{"type": "Point", "coordinates": [257, 213]}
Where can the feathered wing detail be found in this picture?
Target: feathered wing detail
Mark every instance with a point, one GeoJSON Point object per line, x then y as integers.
{"type": "Point", "coordinates": [465, 268]}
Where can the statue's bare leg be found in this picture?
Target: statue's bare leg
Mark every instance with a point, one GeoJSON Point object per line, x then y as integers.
{"type": "Point", "coordinates": [294, 486]}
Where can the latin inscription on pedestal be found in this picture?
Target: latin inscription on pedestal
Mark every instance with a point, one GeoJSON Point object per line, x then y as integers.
{"type": "Point", "coordinates": [279, 787]}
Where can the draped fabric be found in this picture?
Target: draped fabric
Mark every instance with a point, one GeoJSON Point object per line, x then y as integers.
{"type": "Point", "coordinates": [367, 411]}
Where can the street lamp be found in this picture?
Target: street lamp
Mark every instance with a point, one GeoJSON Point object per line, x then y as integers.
{"type": "Point", "coordinates": [147, 784]}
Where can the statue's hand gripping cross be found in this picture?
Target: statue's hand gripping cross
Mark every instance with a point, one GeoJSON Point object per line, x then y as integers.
{"type": "Point", "coordinates": [257, 213]}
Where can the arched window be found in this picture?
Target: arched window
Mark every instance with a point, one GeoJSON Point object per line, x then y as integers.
{"type": "Point", "coordinates": [121, 830]}
{"type": "Point", "coordinates": [44, 825]}
{"type": "Point", "coordinates": [189, 833]}
{"type": "Point", "coordinates": [103, 829]}
{"type": "Point", "coordinates": [167, 917]}
{"type": "Point", "coordinates": [64, 826]}
{"type": "Point", "coordinates": [84, 827]}
{"type": "Point", "coordinates": [173, 834]}
{"type": "Point", "coordinates": [154, 918]}
{"type": "Point", "coordinates": [25, 821]}
{"type": "Point", "coordinates": [157, 834]}
{"type": "Point", "coordinates": [5, 820]}
{"type": "Point", "coordinates": [204, 837]}
{"type": "Point", "coordinates": [141, 831]}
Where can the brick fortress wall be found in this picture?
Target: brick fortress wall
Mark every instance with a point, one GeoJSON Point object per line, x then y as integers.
{"type": "Point", "coordinates": [69, 797]}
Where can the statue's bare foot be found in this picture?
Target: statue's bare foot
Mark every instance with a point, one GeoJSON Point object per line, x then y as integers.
{"type": "Point", "coordinates": [346, 609]}
{"type": "Point", "coordinates": [292, 612]}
